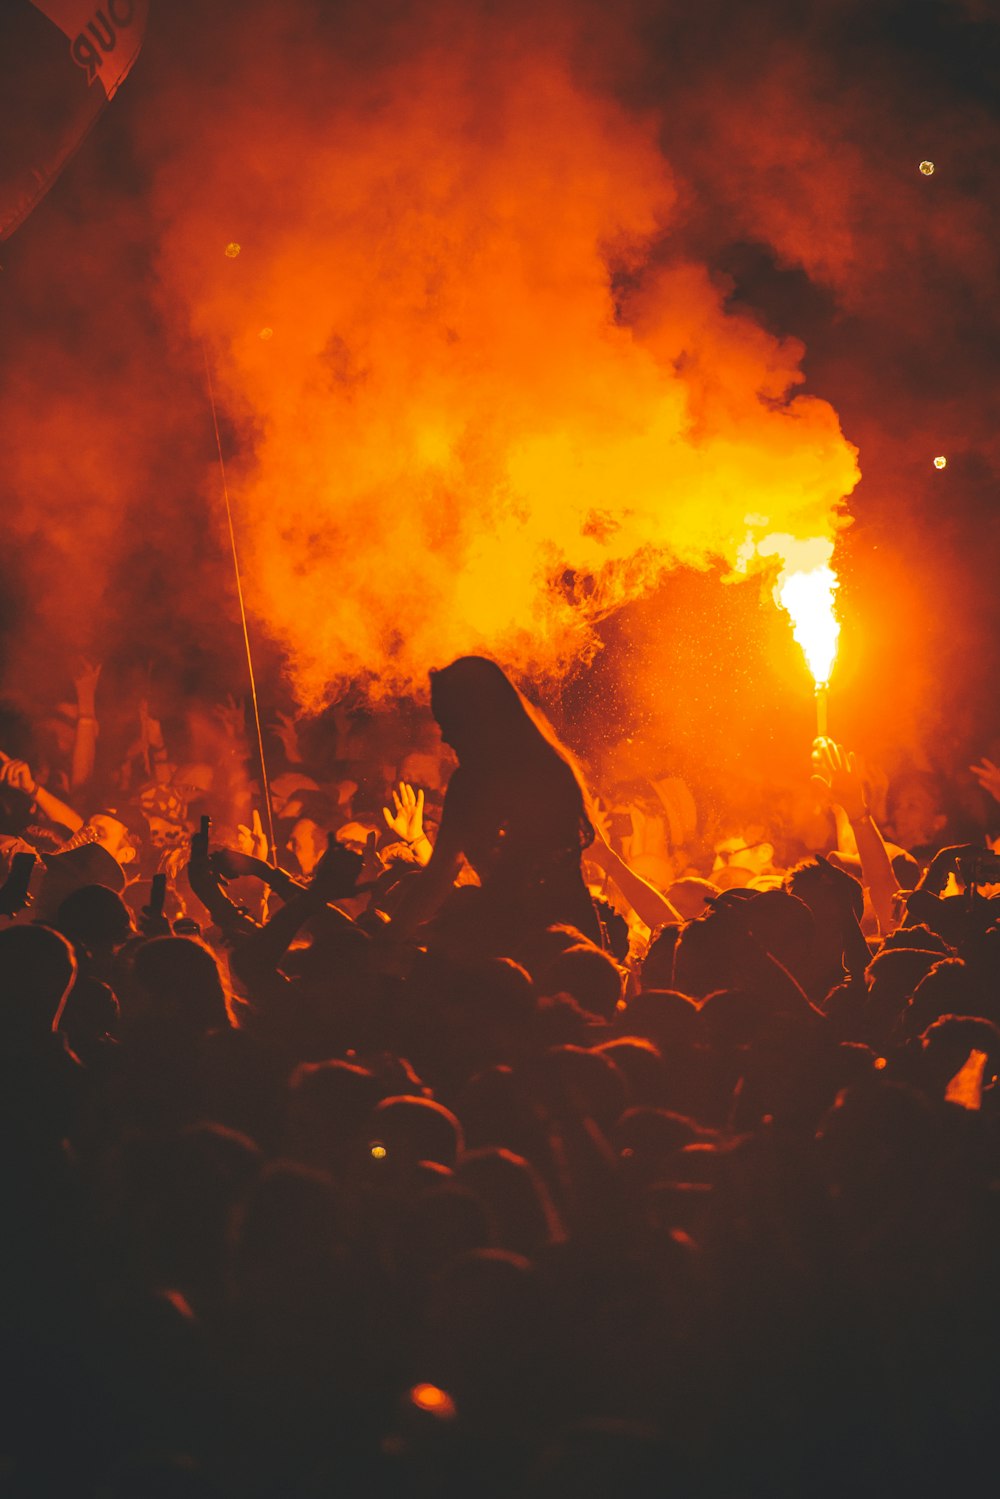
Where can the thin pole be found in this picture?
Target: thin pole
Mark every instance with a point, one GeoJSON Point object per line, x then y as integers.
{"type": "Point", "coordinates": [272, 851]}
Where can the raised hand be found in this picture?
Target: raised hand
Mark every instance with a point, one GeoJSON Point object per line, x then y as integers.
{"type": "Point", "coordinates": [406, 819]}
{"type": "Point", "coordinates": [371, 864]}
{"type": "Point", "coordinates": [152, 730]}
{"type": "Point", "coordinates": [232, 717]}
{"type": "Point", "coordinates": [14, 892]}
{"type": "Point", "coordinates": [288, 732]}
{"type": "Point", "coordinates": [837, 777]}
{"type": "Point", "coordinates": [17, 774]}
{"type": "Point", "coordinates": [198, 852]}
{"type": "Point", "coordinates": [253, 839]}
{"type": "Point", "coordinates": [988, 776]}
{"type": "Point", "coordinates": [85, 679]}
{"type": "Point", "coordinates": [152, 922]}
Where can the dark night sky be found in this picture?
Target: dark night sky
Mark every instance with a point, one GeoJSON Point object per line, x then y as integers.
{"type": "Point", "coordinates": [792, 136]}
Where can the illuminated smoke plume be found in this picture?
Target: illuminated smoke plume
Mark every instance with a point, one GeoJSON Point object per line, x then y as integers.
{"type": "Point", "coordinates": [483, 394]}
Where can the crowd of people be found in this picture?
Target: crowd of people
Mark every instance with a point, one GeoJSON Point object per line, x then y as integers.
{"type": "Point", "coordinates": [442, 1123]}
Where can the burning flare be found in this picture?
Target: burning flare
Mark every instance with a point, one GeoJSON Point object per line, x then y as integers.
{"type": "Point", "coordinates": [805, 590]}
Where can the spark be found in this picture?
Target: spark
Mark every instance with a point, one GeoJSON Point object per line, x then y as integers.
{"type": "Point", "coordinates": [941, 461]}
{"type": "Point", "coordinates": [927, 168]}
{"type": "Point", "coordinates": [379, 1152]}
{"type": "Point", "coordinates": [232, 249]}
{"type": "Point", "coordinates": [267, 333]}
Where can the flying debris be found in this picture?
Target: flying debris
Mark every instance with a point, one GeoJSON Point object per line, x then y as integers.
{"type": "Point", "coordinates": [941, 461]}
{"type": "Point", "coordinates": [927, 167]}
{"type": "Point", "coordinates": [61, 62]}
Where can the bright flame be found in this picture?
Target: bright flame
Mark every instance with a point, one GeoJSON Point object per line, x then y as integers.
{"type": "Point", "coordinates": [941, 461]}
{"type": "Point", "coordinates": [805, 589]}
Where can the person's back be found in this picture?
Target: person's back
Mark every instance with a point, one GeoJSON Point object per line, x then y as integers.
{"type": "Point", "coordinates": [40, 1078]}
{"type": "Point", "coordinates": [515, 809]}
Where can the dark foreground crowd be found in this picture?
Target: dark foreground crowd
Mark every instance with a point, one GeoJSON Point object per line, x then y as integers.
{"type": "Point", "coordinates": [482, 1151]}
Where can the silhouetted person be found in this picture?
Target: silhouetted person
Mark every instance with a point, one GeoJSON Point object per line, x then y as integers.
{"type": "Point", "coordinates": [515, 808]}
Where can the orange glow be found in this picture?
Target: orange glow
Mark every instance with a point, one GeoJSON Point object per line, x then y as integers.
{"type": "Point", "coordinates": [806, 588]}
{"type": "Point", "coordinates": [927, 168]}
{"type": "Point", "coordinates": [232, 249]}
{"type": "Point", "coordinates": [966, 1087]}
{"type": "Point", "coordinates": [494, 413]}
{"type": "Point", "coordinates": [379, 1152]}
{"type": "Point", "coordinates": [430, 1398]}
{"type": "Point", "coordinates": [941, 462]}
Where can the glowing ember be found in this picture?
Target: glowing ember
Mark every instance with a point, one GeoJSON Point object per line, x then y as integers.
{"type": "Point", "coordinates": [430, 1398]}
{"type": "Point", "coordinates": [941, 461]}
{"type": "Point", "coordinates": [267, 333]}
{"type": "Point", "coordinates": [232, 249]}
{"type": "Point", "coordinates": [927, 167]}
{"type": "Point", "coordinates": [379, 1152]}
{"type": "Point", "coordinates": [805, 588]}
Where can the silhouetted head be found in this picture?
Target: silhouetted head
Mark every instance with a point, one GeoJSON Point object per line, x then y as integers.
{"type": "Point", "coordinates": [477, 706]}
{"type": "Point", "coordinates": [179, 979]}
{"type": "Point", "coordinates": [94, 917]}
{"type": "Point", "coordinates": [37, 970]}
{"type": "Point", "coordinates": [591, 976]}
{"type": "Point", "coordinates": [514, 1194]}
{"type": "Point", "coordinates": [408, 1130]}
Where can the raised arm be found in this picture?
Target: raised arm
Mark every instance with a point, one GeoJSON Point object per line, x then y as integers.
{"type": "Point", "coordinates": [17, 774]}
{"type": "Point", "coordinates": [839, 780]}
{"type": "Point", "coordinates": [85, 742]}
{"type": "Point", "coordinates": [646, 901]}
{"type": "Point", "coordinates": [426, 892]}
{"type": "Point", "coordinates": [258, 956]}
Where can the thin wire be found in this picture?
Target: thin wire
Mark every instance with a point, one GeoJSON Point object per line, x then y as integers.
{"type": "Point", "coordinates": [273, 852]}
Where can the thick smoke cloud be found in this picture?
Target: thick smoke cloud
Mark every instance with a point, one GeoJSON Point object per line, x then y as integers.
{"type": "Point", "coordinates": [521, 317]}
{"type": "Point", "coordinates": [462, 439]}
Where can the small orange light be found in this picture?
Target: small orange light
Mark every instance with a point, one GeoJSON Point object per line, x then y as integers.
{"type": "Point", "coordinates": [232, 249]}
{"type": "Point", "coordinates": [941, 461]}
{"type": "Point", "coordinates": [927, 168]}
{"type": "Point", "coordinates": [267, 333]}
{"type": "Point", "coordinates": [880, 1064]}
{"type": "Point", "coordinates": [379, 1152]}
{"type": "Point", "coordinates": [429, 1397]}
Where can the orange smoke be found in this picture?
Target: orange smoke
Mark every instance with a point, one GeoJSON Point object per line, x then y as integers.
{"type": "Point", "coordinates": [480, 419]}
